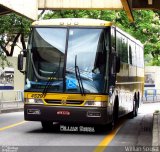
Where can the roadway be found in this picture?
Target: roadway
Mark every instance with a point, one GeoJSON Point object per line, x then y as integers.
{"type": "Point", "coordinates": [21, 136]}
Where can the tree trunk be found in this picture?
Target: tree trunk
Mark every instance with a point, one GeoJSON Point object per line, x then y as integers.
{"type": "Point", "coordinates": [5, 50]}
{"type": "Point", "coordinates": [23, 41]}
{"type": "Point", "coordinates": [13, 44]}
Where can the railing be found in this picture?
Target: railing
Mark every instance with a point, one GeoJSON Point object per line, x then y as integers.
{"type": "Point", "coordinates": [10, 99]}
{"type": "Point", "coordinates": [151, 95]}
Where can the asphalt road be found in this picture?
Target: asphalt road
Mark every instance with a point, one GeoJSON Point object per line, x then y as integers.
{"type": "Point", "coordinates": [21, 136]}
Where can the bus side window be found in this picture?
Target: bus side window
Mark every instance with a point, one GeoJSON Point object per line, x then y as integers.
{"type": "Point", "coordinates": [113, 40]}
{"type": "Point", "coordinates": [99, 65]}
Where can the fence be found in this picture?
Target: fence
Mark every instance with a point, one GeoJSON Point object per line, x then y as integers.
{"type": "Point", "coordinates": [151, 95]}
{"type": "Point", "coordinates": [10, 99]}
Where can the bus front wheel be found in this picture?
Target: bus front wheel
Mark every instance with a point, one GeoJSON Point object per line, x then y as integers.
{"type": "Point", "coordinates": [115, 115]}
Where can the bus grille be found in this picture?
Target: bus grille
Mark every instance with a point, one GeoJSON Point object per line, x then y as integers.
{"type": "Point", "coordinates": [75, 102]}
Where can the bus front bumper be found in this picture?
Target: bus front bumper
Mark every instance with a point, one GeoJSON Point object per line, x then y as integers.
{"type": "Point", "coordinates": [85, 115]}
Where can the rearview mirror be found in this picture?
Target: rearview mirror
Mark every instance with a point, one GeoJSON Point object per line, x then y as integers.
{"type": "Point", "coordinates": [20, 61]}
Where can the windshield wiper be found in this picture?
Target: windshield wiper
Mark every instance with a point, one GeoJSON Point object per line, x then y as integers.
{"type": "Point", "coordinates": [78, 76]}
{"type": "Point", "coordinates": [48, 84]}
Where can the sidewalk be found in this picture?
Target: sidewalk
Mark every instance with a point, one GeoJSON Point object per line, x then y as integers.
{"type": "Point", "coordinates": [156, 130]}
{"type": "Point", "coordinates": [156, 119]}
{"type": "Point", "coordinates": [14, 106]}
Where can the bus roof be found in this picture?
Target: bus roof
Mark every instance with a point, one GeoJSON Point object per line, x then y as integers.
{"type": "Point", "coordinates": [81, 22]}
{"type": "Point", "coordinates": [72, 22]}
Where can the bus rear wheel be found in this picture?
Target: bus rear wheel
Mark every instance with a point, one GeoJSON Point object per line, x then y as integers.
{"type": "Point", "coordinates": [47, 125]}
{"type": "Point", "coordinates": [135, 110]}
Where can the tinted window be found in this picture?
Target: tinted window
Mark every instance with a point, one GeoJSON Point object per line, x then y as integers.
{"type": "Point", "coordinates": [122, 47]}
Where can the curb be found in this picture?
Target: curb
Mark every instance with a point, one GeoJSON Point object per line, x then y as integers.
{"type": "Point", "coordinates": [11, 110]}
{"type": "Point", "coordinates": [156, 130]}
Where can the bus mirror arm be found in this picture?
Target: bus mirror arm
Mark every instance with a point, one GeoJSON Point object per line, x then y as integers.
{"type": "Point", "coordinates": [20, 61]}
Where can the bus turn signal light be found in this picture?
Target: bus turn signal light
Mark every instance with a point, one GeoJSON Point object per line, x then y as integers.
{"type": "Point", "coordinates": [96, 103]}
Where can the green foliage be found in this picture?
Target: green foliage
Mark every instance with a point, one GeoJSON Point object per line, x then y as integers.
{"type": "Point", "coordinates": [105, 15]}
{"type": "Point", "coordinates": [145, 28]}
{"type": "Point", "coordinates": [12, 26]}
{"type": "Point", "coordinates": [3, 60]}
{"type": "Point", "coordinates": [13, 23]}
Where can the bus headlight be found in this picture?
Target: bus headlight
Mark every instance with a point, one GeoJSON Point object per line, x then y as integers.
{"type": "Point", "coordinates": [96, 103]}
{"type": "Point", "coordinates": [33, 101]}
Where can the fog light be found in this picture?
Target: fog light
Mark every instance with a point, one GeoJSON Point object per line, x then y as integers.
{"type": "Point", "coordinates": [93, 114]}
{"type": "Point", "coordinates": [33, 111]}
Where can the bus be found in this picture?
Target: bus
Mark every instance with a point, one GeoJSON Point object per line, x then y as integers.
{"type": "Point", "coordinates": [83, 71]}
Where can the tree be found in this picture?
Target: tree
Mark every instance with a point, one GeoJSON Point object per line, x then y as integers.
{"type": "Point", "coordinates": [12, 27]}
{"type": "Point", "coordinates": [3, 60]}
{"type": "Point", "coordinates": [106, 15]}
{"type": "Point", "coordinates": [145, 28]}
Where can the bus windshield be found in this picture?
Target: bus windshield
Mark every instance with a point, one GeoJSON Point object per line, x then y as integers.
{"type": "Point", "coordinates": [71, 60]}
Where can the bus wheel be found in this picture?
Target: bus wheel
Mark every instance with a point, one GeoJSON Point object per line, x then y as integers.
{"type": "Point", "coordinates": [111, 125]}
{"type": "Point", "coordinates": [47, 125]}
{"type": "Point", "coordinates": [135, 110]}
{"type": "Point", "coordinates": [115, 116]}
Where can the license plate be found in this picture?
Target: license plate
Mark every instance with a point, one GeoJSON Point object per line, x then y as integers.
{"type": "Point", "coordinates": [63, 113]}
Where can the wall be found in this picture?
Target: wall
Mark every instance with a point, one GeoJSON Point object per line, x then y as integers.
{"type": "Point", "coordinates": [12, 95]}
{"type": "Point", "coordinates": [18, 76]}
{"type": "Point", "coordinates": [153, 74]}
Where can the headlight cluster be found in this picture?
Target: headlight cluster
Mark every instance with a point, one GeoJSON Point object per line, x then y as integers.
{"type": "Point", "coordinates": [96, 103]}
{"type": "Point", "coordinates": [33, 101]}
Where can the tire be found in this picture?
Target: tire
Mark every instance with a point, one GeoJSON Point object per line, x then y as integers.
{"type": "Point", "coordinates": [136, 110]}
{"type": "Point", "coordinates": [111, 125]}
{"type": "Point", "coordinates": [47, 125]}
{"type": "Point", "coordinates": [134, 113]}
{"type": "Point", "coordinates": [115, 113]}
{"type": "Point", "coordinates": [115, 116]}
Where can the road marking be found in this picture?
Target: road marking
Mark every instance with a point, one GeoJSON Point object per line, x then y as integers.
{"type": "Point", "coordinates": [108, 138]}
{"type": "Point", "coordinates": [13, 125]}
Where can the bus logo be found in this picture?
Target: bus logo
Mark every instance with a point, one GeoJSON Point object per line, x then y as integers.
{"type": "Point", "coordinates": [63, 102]}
